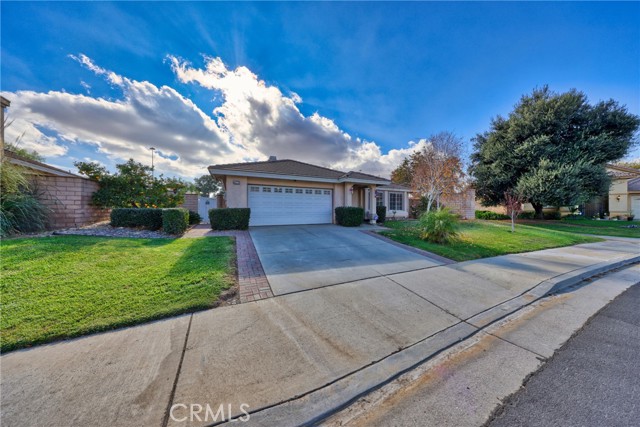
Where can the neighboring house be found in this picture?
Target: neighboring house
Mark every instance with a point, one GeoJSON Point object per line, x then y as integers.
{"type": "Point", "coordinates": [624, 194]}
{"type": "Point", "coordinates": [623, 198]}
{"type": "Point", "coordinates": [67, 195]}
{"type": "Point", "coordinates": [283, 192]}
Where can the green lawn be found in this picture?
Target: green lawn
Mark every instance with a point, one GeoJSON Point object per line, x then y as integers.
{"type": "Point", "coordinates": [481, 239]}
{"type": "Point", "coordinates": [591, 226]}
{"type": "Point", "coordinates": [64, 286]}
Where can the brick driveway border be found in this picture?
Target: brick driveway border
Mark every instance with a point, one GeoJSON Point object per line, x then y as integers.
{"type": "Point", "coordinates": [252, 281]}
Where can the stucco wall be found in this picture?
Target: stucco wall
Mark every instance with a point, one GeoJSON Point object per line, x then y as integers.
{"type": "Point", "coordinates": [622, 206]}
{"type": "Point", "coordinates": [69, 199]}
{"type": "Point", "coordinates": [235, 191]}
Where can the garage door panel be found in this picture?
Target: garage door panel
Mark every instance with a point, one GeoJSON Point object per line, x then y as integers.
{"type": "Point", "coordinates": [289, 205]}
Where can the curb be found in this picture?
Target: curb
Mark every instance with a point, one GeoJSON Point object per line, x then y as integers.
{"type": "Point", "coordinates": [316, 406]}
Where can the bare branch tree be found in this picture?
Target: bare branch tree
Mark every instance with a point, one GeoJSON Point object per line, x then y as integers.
{"type": "Point", "coordinates": [513, 206]}
{"type": "Point", "coordinates": [437, 168]}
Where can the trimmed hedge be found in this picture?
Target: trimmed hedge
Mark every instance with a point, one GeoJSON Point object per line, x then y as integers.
{"type": "Point", "coordinates": [349, 216]}
{"type": "Point", "coordinates": [175, 220]}
{"type": "Point", "coordinates": [229, 218]}
{"type": "Point", "coordinates": [149, 218]}
{"type": "Point", "coordinates": [554, 215]}
{"type": "Point", "coordinates": [194, 218]}
{"type": "Point", "coordinates": [527, 215]}
{"type": "Point", "coordinates": [490, 215]}
{"type": "Point", "coordinates": [381, 211]}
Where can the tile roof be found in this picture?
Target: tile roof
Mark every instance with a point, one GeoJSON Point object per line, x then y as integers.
{"type": "Point", "coordinates": [295, 168]}
{"type": "Point", "coordinates": [617, 171]}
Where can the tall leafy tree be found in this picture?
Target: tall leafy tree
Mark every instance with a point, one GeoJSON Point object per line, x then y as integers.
{"type": "Point", "coordinates": [206, 184]}
{"type": "Point", "coordinates": [403, 173]}
{"type": "Point", "coordinates": [133, 185]}
{"type": "Point", "coordinates": [552, 149]}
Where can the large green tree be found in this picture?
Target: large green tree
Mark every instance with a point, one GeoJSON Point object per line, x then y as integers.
{"type": "Point", "coordinates": [133, 185]}
{"type": "Point", "coordinates": [206, 184]}
{"type": "Point", "coordinates": [552, 149]}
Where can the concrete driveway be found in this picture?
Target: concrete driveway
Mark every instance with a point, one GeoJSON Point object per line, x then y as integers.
{"type": "Point", "coordinates": [302, 257]}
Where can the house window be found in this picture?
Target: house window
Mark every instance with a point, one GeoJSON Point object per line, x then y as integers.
{"type": "Point", "coordinates": [288, 190]}
{"type": "Point", "coordinates": [298, 191]}
{"type": "Point", "coordinates": [318, 191]}
{"type": "Point", "coordinates": [327, 192]}
{"type": "Point", "coordinates": [266, 189]}
{"type": "Point", "coordinates": [396, 201]}
{"type": "Point", "coordinates": [277, 190]}
{"type": "Point", "coordinates": [254, 189]}
{"type": "Point", "coordinates": [308, 191]}
{"type": "Point", "coordinates": [379, 199]}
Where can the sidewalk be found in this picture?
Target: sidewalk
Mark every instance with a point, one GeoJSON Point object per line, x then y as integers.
{"type": "Point", "coordinates": [465, 385]}
{"type": "Point", "coordinates": [311, 349]}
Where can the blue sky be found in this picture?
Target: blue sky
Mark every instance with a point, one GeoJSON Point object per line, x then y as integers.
{"type": "Point", "coordinates": [347, 85]}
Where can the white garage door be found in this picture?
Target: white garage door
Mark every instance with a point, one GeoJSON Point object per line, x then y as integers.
{"type": "Point", "coordinates": [272, 205]}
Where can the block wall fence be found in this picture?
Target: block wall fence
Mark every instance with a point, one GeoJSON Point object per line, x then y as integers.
{"type": "Point", "coordinates": [69, 199]}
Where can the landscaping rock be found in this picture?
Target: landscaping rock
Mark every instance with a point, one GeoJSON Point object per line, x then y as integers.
{"type": "Point", "coordinates": [106, 230]}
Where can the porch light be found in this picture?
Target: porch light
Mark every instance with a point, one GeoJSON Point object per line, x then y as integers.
{"type": "Point", "coordinates": [351, 190]}
{"type": "Point", "coordinates": [618, 197]}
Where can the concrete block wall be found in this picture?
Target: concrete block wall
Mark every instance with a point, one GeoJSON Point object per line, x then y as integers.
{"type": "Point", "coordinates": [463, 203]}
{"type": "Point", "coordinates": [69, 199]}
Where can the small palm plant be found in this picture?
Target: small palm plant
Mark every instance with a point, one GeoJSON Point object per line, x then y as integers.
{"type": "Point", "coordinates": [439, 226]}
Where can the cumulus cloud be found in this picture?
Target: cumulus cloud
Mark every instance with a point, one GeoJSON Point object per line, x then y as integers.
{"type": "Point", "coordinates": [253, 121]}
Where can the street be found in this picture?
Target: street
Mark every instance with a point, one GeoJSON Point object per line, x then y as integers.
{"type": "Point", "coordinates": [592, 380]}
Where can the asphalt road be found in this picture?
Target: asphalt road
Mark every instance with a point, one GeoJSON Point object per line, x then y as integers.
{"type": "Point", "coordinates": [593, 380]}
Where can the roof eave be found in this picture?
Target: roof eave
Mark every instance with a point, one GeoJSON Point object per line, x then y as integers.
{"type": "Point", "coordinates": [43, 168]}
{"type": "Point", "coordinates": [224, 172]}
{"type": "Point", "coordinates": [365, 181]}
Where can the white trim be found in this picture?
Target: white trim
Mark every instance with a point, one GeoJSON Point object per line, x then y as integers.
{"type": "Point", "coordinates": [406, 190]}
{"type": "Point", "coordinates": [363, 181]}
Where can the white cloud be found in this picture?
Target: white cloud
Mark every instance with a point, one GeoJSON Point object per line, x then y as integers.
{"type": "Point", "coordinates": [254, 120]}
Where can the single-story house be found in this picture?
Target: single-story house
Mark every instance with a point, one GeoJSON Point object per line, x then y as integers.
{"type": "Point", "coordinates": [283, 192]}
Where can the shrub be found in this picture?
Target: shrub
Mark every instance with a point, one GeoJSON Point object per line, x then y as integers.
{"type": "Point", "coordinates": [349, 216]}
{"type": "Point", "coordinates": [230, 218]}
{"type": "Point", "coordinates": [20, 208]}
{"type": "Point", "coordinates": [527, 215]}
{"type": "Point", "coordinates": [175, 220]}
{"type": "Point", "coordinates": [418, 208]}
{"type": "Point", "coordinates": [439, 226]}
{"type": "Point", "coordinates": [381, 211]}
{"type": "Point", "coordinates": [194, 218]}
{"type": "Point", "coordinates": [554, 215]}
{"type": "Point", "coordinates": [137, 217]}
{"type": "Point", "coordinates": [21, 213]}
{"type": "Point", "coordinates": [490, 215]}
